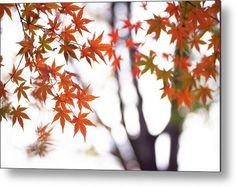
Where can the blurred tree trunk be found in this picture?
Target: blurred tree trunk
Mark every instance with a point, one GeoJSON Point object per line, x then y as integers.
{"type": "Point", "coordinates": [144, 145]}
{"type": "Point", "coordinates": [174, 129]}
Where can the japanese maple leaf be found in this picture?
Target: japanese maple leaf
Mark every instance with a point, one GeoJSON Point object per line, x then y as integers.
{"type": "Point", "coordinates": [65, 81]}
{"type": "Point", "coordinates": [203, 93]}
{"type": "Point", "coordinates": [44, 42]}
{"type": "Point", "coordinates": [116, 62]}
{"type": "Point", "coordinates": [96, 47]}
{"type": "Point", "coordinates": [84, 98]}
{"type": "Point", "coordinates": [67, 34]}
{"type": "Point", "coordinates": [127, 24]}
{"type": "Point", "coordinates": [144, 5]}
{"type": "Point", "coordinates": [165, 75]}
{"type": "Point", "coordinates": [66, 97]}
{"type": "Point", "coordinates": [184, 97]}
{"type": "Point", "coordinates": [137, 26]}
{"type": "Point", "coordinates": [19, 115]}
{"type": "Point", "coordinates": [179, 34]}
{"type": "Point", "coordinates": [156, 25]}
{"type": "Point", "coordinates": [110, 53]}
{"type": "Point", "coordinates": [42, 91]}
{"type": "Point", "coordinates": [80, 22]}
{"type": "Point", "coordinates": [54, 70]}
{"type": "Point", "coordinates": [21, 91]}
{"type": "Point", "coordinates": [3, 91]}
{"type": "Point", "coordinates": [68, 50]}
{"type": "Point", "coordinates": [197, 41]}
{"type": "Point", "coordinates": [136, 71]}
{"type": "Point", "coordinates": [5, 8]}
{"type": "Point", "coordinates": [147, 62]}
{"type": "Point", "coordinates": [62, 115]}
{"type": "Point", "coordinates": [114, 36]}
{"type": "Point", "coordinates": [16, 75]}
{"type": "Point", "coordinates": [168, 91]}
{"type": "Point", "coordinates": [68, 8]}
{"type": "Point", "coordinates": [206, 68]}
{"type": "Point", "coordinates": [27, 45]}
{"type": "Point", "coordinates": [80, 124]}
{"type": "Point", "coordinates": [215, 42]}
{"type": "Point", "coordinates": [173, 9]}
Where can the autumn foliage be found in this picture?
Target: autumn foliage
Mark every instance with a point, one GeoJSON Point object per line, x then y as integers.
{"type": "Point", "coordinates": [185, 22]}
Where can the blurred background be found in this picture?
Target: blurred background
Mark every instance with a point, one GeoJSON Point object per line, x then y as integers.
{"type": "Point", "coordinates": [130, 116]}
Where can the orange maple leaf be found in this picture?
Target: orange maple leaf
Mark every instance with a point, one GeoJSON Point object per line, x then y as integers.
{"type": "Point", "coordinates": [19, 115]}
{"type": "Point", "coordinates": [80, 124]}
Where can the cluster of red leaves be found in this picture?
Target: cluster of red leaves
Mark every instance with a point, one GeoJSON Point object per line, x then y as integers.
{"type": "Point", "coordinates": [50, 80]}
{"type": "Point", "coordinates": [185, 82]}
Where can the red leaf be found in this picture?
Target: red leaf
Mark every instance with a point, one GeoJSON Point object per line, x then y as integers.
{"type": "Point", "coordinates": [19, 115]}
{"type": "Point", "coordinates": [80, 124]}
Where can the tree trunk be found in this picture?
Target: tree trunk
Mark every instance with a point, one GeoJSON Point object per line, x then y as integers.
{"type": "Point", "coordinates": [174, 129]}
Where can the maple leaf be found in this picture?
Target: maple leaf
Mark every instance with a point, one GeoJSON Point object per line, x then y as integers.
{"type": "Point", "coordinates": [136, 71]}
{"type": "Point", "coordinates": [5, 110]}
{"type": "Point", "coordinates": [5, 8]}
{"type": "Point", "coordinates": [165, 76]}
{"type": "Point", "coordinates": [67, 34]}
{"type": "Point", "coordinates": [68, 50]}
{"type": "Point", "coordinates": [156, 25]}
{"type": "Point", "coordinates": [144, 5]}
{"type": "Point", "coordinates": [179, 34]}
{"type": "Point", "coordinates": [83, 98]}
{"type": "Point", "coordinates": [196, 41]}
{"type": "Point", "coordinates": [80, 22]}
{"type": "Point", "coordinates": [203, 93]}
{"type": "Point", "coordinates": [27, 45]}
{"type": "Point", "coordinates": [184, 97]}
{"type": "Point", "coordinates": [3, 91]}
{"type": "Point", "coordinates": [62, 115]}
{"type": "Point", "coordinates": [19, 115]}
{"type": "Point", "coordinates": [65, 81]}
{"type": "Point", "coordinates": [16, 75]}
{"type": "Point", "coordinates": [31, 25]}
{"type": "Point", "coordinates": [42, 91]}
{"type": "Point", "coordinates": [54, 70]}
{"type": "Point", "coordinates": [116, 62]}
{"type": "Point", "coordinates": [168, 91]}
{"type": "Point", "coordinates": [206, 68]}
{"type": "Point", "coordinates": [110, 53]}
{"type": "Point", "coordinates": [137, 26]}
{"type": "Point", "coordinates": [114, 36]}
{"type": "Point", "coordinates": [44, 132]}
{"type": "Point", "coordinates": [215, 41]}
{"type": "Point", "coordinates": [21, 91]}
{"type": "Point", "coordinates": [127, 24]}
{"type": "Point", "coordinates": [147, 62]}
{"type": "Point", "coordinates": [173, 9]}
{"type": "Point", "coordinates": [66, 97]}
{"type": "Point", "coordinates": [80, 124]}
{"type": "Point", "coordinates": [96, 47]}
{"type": "Point", "coordinates": [44, 42]}
{"type": "Point", "coordinates": [68, 8]}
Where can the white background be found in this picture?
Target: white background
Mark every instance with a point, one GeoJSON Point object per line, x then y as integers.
{"type": "Point", "coordinates": [94, 178]}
